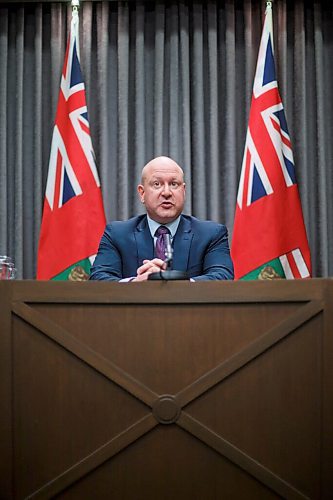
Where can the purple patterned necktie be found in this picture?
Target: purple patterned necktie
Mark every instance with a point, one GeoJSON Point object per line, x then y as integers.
{"type": "Point", "coordinates": [160, 242]}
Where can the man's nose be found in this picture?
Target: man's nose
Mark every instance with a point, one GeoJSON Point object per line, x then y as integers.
{"type": "Point", "coordinates": [166, 189]}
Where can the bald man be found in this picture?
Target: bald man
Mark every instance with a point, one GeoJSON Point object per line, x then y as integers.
{"type": "Point", "coordinates": [127, 249]}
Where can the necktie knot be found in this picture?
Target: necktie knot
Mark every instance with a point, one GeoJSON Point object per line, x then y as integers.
{"type": "Point", "coordinates": [161, 230]}
{"type": "Point", "coordinates": [161, 244]}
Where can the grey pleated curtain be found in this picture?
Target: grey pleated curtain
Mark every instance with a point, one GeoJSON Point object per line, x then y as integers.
{"type": "Point", "coordinates": [171, 78]}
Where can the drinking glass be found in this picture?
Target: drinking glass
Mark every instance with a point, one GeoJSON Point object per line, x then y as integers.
{"type": "Point", "coordinates": [7, 268]}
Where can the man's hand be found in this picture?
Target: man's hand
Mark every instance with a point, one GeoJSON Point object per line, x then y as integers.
{"type": "Point", "coordinates": [148, 267]}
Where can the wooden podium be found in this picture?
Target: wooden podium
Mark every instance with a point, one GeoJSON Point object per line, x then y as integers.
{"type": "Point", "coordinates": [166, 390]}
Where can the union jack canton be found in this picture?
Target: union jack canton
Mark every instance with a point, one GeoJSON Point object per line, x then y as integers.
{"type": "Point", "coordinates": [71, 142]}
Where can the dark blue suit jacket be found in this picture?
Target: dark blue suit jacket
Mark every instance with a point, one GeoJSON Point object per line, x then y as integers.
{"type": "Point", "coordinates": [200, 248]}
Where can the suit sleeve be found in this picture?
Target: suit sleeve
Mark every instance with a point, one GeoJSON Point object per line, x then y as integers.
{"type": "Point", "coordinates": [108, 263]}
{"type": "Point", "coordinates": [217, 263]}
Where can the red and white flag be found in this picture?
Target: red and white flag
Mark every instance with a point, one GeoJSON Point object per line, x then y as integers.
{"type": "Point", "coordinates": [269, 237]}
{"type": "Point", "coordinates": [73, 216]}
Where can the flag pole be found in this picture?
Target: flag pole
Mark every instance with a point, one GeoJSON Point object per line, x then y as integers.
{"type": "Point", "coordinates": [75, 4]}
{"type": "Point", "coordinates": [75, 11]}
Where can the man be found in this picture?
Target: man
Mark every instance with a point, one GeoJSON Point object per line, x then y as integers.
{"type": "Point", "coordinates": [127, 250]}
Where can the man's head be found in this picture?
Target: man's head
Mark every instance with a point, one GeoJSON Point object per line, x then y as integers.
{"type": "Point", "coordinates": [162, 189]}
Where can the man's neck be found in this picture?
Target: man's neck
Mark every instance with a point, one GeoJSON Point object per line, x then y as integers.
{"type": "Point", "coordinates": [172, 226]}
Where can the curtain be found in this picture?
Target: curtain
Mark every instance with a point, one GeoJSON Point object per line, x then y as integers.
{"type": "Point", "coordinates": [163, 78]}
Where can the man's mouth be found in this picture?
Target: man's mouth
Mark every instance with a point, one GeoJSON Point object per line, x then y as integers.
{"type": "Point", "coordinates": [166, 204]}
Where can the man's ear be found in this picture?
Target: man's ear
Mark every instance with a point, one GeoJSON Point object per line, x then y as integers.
{"type": "Point", "coordinates": [141, 192]}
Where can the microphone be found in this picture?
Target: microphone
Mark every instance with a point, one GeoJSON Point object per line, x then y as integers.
{"type": "Point", "coordinates": [168, 251]}
{"type": "Point", "coordinates": [169, 273]}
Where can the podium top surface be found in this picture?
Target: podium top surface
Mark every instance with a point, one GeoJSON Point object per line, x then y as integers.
{"type": "Point", "coordinates": [165, 291]}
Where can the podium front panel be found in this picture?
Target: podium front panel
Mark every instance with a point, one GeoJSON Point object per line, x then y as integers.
{"type": "Point", "coordinates": [167, 390]}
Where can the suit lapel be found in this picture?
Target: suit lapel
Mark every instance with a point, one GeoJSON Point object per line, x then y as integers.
{"type": "Point", "coordinates": [182, 244]}
{"type": "Point", "coordinates": [144, 241]}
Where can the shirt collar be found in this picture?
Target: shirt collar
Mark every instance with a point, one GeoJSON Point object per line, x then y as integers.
{"type": "Point", "coordinates": [172, 226]}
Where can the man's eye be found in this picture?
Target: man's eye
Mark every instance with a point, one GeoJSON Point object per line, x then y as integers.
{"type": "Point", "coordinates": [156, 184]}
{"type": "Point", "coordinates": [174, 184]}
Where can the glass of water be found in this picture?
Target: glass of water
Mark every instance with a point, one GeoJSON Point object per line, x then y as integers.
{"type": "Point", "coordinates": [7, 268]}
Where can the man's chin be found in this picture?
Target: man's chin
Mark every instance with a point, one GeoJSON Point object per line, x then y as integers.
{"type": "Point", "coordinates": [165, 216]}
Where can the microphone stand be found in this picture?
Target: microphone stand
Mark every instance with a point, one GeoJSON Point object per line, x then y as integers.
{"type": "Point", "coordinates": [169, 273]}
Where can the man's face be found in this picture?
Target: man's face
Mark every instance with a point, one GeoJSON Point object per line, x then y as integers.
{"type": "Point", "coordinates": [162, 190]}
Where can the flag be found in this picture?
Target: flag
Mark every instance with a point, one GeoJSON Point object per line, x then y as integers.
{"type": "Point", "coordinates": [73, 216]}
{"type": "Point", "coordinates": [269, 237]}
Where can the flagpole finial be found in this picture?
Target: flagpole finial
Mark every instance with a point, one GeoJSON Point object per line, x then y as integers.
{"type": "Point", "coordinates": [75, 4]}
